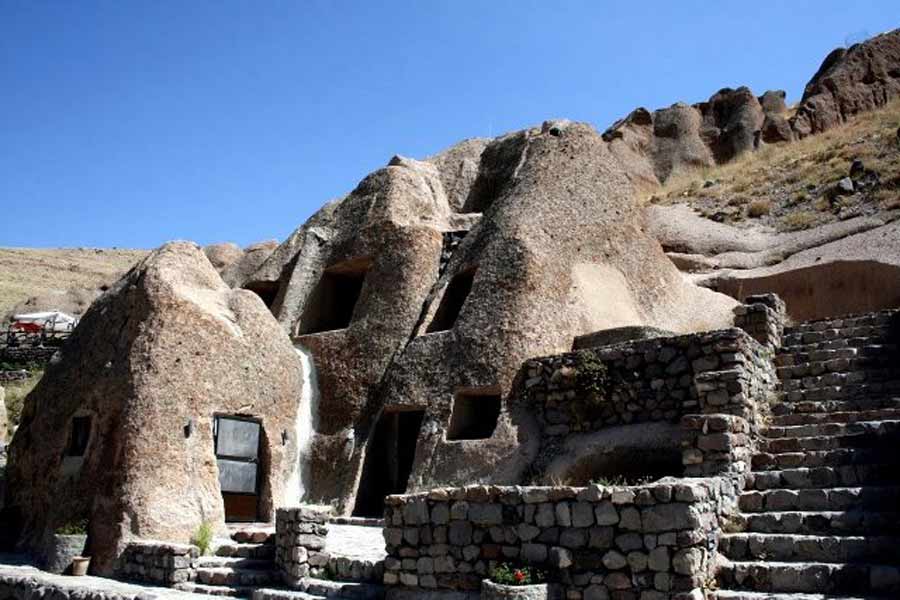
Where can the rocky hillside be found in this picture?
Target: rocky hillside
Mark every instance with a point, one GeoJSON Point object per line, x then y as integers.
{"type": "Point", "coordinates": [69, 279]}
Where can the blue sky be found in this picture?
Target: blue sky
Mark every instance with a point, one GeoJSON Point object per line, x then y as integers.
{"type": "Point", "coordinates": [130, 123]}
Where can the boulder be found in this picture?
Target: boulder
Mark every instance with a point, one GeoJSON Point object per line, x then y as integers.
{"type": "Point", "coordinates": [223, 254]}
{"type": "Point", "coordinates": [120, 428]}
{"type": "Point", "coordinates": [850, 81]}
{"type": "Point", "coordinates": [237, 273]}
{"type": "Point", "coordinates": [772, 102]}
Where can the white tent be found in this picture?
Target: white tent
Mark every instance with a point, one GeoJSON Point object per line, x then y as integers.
{"type": "Point", "coordinates": [52, 320]}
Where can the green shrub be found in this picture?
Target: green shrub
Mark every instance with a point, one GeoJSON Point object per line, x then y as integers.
{"type": "Point", "coordinates": [76, 527]}
{"type": "Point", "coordinates": [203, 537]}
{"type": "Point", "coordinates": [506, 574]}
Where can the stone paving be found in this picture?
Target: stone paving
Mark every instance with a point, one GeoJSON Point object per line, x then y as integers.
{"type": "Point", "coordinates": [356, 541]}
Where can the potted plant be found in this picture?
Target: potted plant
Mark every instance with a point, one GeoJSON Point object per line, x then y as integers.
{"type": "Point", "coordinates": [66, 549]}
{"type": "Point", "coordinates": [510, 582]}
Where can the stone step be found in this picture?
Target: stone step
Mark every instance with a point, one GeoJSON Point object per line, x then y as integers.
{"type": "Point", "coordinates": [823, 458]}
{"type": "Point", "coordinates": [869, 367]}
{"type": "Point", "coordinates": [825, 477]}
{"type": "Point", "coordinates": [279, 594]}
{"type": "Point", "coordinates": [796, 338]}
{"type": "Point", "coordinates": [258, 564]}
{"type": "Point", "coordinates": [851, 391]}
{"type": "Point", "coordinates": [236, 577]}
{"type": "Point", "coordinates": [883, 375]}
{"type": "Point", "coordinates": [810, 577]}
{"type": "Point", "coordinates": [832, 499]}
{"type": "Point", "coordinates": [743, 595]}
{"type": "Point", "coordinates": [341, 589]}
{"type": "Point", "coordinates": [215, 590]}
{"type": "Point", "coordinates": [830, 429]}
{"type": "Point", "coordinates": [880, 318]}
{"type": "Point", "coordinates": [876, 414]}
{"type": "Point", "coordinates": [235, 550]}
{"type": "Point", "coordinates": [809, 548]}
{"type": "Point", "coordinates": [848, 405]}
{"type": "Point", "coordinates": [821, 522]}
{"type": "Point", "coordinates": [877, 436]}
{"type": "Point", "coordinates": [796, 345]}
{"type": "Point", "coordinates": [253, 534]}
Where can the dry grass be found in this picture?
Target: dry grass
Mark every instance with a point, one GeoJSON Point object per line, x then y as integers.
{"type": "Point", "coordinates": [15, 392]}
{"type": "Point", "coordinates": [26, 272]}
{"type": "Point", "coordinates": [797, 177]}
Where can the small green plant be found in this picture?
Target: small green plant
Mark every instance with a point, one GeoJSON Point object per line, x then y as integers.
{"type": "Point", "coordinates": [75, 527]}
{"type": "Point", "coordinates": [593, 376]}
{"type": "Point", "coordinates": [203, 537]}
{"type": "Point", "coordinates": [507, 574]}
{"type": "Point", "coordinates": [620, 480]}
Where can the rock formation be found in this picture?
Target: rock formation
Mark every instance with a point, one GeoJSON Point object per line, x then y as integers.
{"type": "Point", "coordinates": [120, 428]}
{"type": "Point", "coordinates": [850, 81]}
{"type": "Point", "coordinates": [237, 273]}
{"type": "Point", "coordinates": [556, 249]}
{"type": "Point", "coordinates": [223, 254]}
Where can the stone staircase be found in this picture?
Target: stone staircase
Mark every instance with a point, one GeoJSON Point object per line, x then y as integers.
{"type": "Point", "coordinates": [820, 517]}
{"type": "Point", "coordinates": [243, 566]}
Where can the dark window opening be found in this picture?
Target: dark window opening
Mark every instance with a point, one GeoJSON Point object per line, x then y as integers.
{"type": "Point", "coordinates": [79, 436]}
{"type": "Point", "coordinates": [474, 416]}
{"type": "Point", "coordinates": [332, 302]}
{"type": "Point", "coordinates": [267, 290]}
{"type": "Point", "coordinates": [389, 460]}
{"type": "Point", "coordinates": [451, 304]}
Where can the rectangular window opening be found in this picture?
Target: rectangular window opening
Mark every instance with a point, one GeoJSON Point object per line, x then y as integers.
{"type": "Point", "coordinates": [452, 302]}
{"type": "Point", "coordinates": [333, 301]}
{"type": "Point", "coordinates": [79, 436]}
{"type": "Point", "coordinates": [474, 415]}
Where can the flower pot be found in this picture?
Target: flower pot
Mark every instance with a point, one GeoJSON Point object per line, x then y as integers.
{"type": "Point", "coordinates": [536, 591]}
{"type": "Point", "coordinates": [62, 549]}
{"type": "Point", "coordinates": [80, 565]}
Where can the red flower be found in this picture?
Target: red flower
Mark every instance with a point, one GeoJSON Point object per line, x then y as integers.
{"type": "Point", "coordinates": [519, 575]}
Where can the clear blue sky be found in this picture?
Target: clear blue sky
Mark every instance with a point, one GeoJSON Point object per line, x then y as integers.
{"type": "Point", "coordinates": [129, 123]}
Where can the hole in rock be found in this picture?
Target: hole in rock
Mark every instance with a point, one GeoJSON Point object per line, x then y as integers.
{"type": "Point", "coordinates": [266, 290]}
{"type": "Point", "coordinates": [474, 415]}
{"type": "Point", "coordinates": [389, 460]}
{"type": "Point", "coordinates": [79, 436]}
{"type": "Point", "coordinates": [332, 302]}
{"type": "Point", "coordinates": [451, 304]}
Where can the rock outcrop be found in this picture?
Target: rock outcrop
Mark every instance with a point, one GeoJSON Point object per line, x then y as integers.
{"type": "Point", "coordinates": [120, 428]}
{"type": "Point", "coordinates": [237, 273]}
{"type": "Point", "coordinates": [406, 303]}
{"type": "Point", "coordinates": [850, 81]}
{"type": "Point", "coordinates": [223, 254]}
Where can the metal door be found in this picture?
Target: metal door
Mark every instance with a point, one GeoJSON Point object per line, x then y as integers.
{"type": "Point", "coordinates": [237, 455]}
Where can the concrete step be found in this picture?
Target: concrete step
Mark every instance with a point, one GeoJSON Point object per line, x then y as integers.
{"type": "Point", "coordinates": [853, 522]}
{"type": "Point", "coordinates": [215, 590]}
{"type": "Point", "coordinates": [236, 577]}
{"type": "Point", "coordinates": [810, 577]}
{"type": "Point", "coordinates": [830, 429]}
{"type": "Point", "coordinates": [823, 458]}
{"type": "Point", "coordinates": [825, 477]}
{"type": "Point", "coordinates": [809, 548]}
{"type": "Point", "coordinates": [877, 414]}
{"type": "Point", "coordinates": [836, 406]}
{"type": "Point", "coordinates": [259, 564]}
{"type": "Point", "coordinates": [830, 499]}
{"type": "Point", "coordinates": [236, 550]}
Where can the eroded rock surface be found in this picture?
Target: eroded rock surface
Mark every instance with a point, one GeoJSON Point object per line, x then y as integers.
{"type": "Point", "coordinates": [151, 362]}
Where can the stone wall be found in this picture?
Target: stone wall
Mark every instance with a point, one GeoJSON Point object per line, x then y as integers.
{"type": "Point", "coordinates": [653, 542]}
{"type": "Point", "coordinates": [160, 563]}
{"type": "Point", "coordinates": [22, 355]}
{"type": "Point", "coordinates": [762, 316]}
{"type": "Point", "coordinates": [300, 541]}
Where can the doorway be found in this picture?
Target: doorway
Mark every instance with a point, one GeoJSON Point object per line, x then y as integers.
{"type": "Point", "coordinates": [389, 460]}
{"type": "Point", "coordinates": [237, 441]}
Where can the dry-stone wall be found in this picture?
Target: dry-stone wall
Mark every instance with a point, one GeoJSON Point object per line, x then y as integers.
{"type": "Point", "coordinates": [27, 354]}
{"type": "Point", "coordinates": [300, 541]}
{"type": "Point", "coordinates": [651, 542]}
{"type": "Point", "coordinates": [762, 316]}
{"type": "Point", "coordinates": [158, 562]}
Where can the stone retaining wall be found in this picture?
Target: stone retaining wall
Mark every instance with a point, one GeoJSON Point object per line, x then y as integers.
{"type": "Point", "coordinates": [300, 542]}
{"type": "Point", "coordinates": [158, 562]}
{"type": "Point", "coordinates": [650, 542]}
{"type": "Point", "coordinates": [763, 317]}
{"type": "Point", "coordinates": [26, 354]}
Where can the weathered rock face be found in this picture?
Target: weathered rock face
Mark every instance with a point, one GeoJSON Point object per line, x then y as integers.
{"type": "Point", "coordinates": [4, 420]}
{"type": "Point", "coordinates": [236, 273]}
{"type": "Point", "coordinates": [410, 307]}
{"type": "Point", "coordinates": [223, 254]}
{"type": "Point", "coordinates": [120, 428]}
{"type": "Point", "coordinates": [654, 146]}
{"type": "Point", "coordinates": [850, 81]}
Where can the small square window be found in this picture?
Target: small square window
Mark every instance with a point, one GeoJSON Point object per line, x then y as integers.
{"type": "Point", "coordinates": [474, 416]}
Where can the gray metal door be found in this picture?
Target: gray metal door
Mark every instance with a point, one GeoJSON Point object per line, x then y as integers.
{"type": "Point", "coordinates": [237, 452]}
